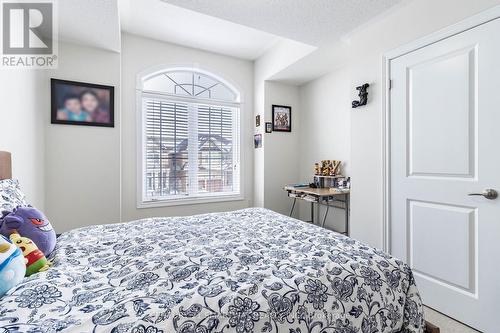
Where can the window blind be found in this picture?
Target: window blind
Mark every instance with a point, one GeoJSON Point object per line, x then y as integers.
{"type": "Point", "coordinates": [190, 150]}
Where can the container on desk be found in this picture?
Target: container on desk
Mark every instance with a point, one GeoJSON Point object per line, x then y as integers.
{"type": "Point", "coordinates": [326, 181]}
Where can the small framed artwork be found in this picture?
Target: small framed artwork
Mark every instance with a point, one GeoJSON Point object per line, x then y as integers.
{"type": "Point", "coordinates": [80, 103]}
{"type": "Point", "coordinates": [282, 118]}
{"type": "Point", "coordinates": [257, 120]}
{"type": "Point", "coordinates": [257, 140]}
{"type": "Point", "coordinates": [269, 127]}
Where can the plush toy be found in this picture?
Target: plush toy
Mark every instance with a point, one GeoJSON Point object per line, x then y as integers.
{"type": "Point", "coordinates": [31, 223]}
{"type": "Point", "coordinates": [12, 266]}
{"type": "Point", "coordinates": [36, 260]}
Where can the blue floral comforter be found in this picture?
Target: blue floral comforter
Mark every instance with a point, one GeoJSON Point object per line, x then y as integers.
{"type": "Point", "coordinates": [251, 270]}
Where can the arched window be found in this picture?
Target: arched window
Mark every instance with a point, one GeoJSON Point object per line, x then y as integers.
{"type": "Point", "coordinates": [190, 134]}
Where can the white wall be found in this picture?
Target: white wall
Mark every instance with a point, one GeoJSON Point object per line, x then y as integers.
{"type": "Point", "coordinates": [325, 132]}
{"type": "Point", "coordinates": [359, 60]}
{"type": "Point", "coordinates": [82, 163]}
{"type": "Point", "coordinates": [78, 178]}
{"type": "Point", "coordinates": [22, 128]}
{"type": "Point", "coordinates": [281, 154]}
{"type": "Point", "coordinates": [139, 54]}
{"type": "Point", "coordinates": [74, 172]}
{"type": "Point", "coordinates": [273, 61]}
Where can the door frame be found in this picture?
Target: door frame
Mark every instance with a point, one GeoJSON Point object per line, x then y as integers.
{"type": "Point", "coordinates": [455, 29]}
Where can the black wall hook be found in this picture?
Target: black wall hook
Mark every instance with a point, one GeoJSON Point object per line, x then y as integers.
{"type": "Point", "coordinates": [363, 96]}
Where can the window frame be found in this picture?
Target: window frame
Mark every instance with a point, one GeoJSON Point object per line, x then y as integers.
{"type": "Point", "coordinates": [141, 116]}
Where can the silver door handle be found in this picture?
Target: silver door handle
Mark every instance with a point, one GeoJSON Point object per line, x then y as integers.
{"type": "Point", "coordinates": [487, 193]}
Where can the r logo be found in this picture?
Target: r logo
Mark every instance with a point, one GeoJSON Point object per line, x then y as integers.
{"type": "Point", "coordinates": [27, 28]}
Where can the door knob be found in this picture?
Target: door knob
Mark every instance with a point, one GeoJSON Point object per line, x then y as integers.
{"type": "Point", "coordinates": [487, 193]}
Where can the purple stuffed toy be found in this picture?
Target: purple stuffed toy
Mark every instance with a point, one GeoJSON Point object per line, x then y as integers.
{"type": "Point", "coordinates": [31, 223]}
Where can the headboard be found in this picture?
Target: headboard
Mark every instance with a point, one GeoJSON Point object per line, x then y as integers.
{"type": "Point", "coordinates": [5, 165]}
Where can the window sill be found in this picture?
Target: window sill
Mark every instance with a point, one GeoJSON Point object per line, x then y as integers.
{"type": "Point", "coordinates": [188, 201]}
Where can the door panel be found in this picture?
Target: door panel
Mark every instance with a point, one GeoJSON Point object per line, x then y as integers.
{"type": "Point", "coordinates": [444, 133]}
{"type": "Point", "coordinates": [442, 143]}
{"type": "Point", "coordinates": [453, 253]}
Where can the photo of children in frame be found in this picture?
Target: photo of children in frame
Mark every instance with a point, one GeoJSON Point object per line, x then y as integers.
{"type": "Point", "coordinates": [282, 118]}
{"type": "Point", "coordinates": [79, 103]}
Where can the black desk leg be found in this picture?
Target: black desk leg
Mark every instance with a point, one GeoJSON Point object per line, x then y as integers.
{"type": "Point", "coordinates": [347, 204]}
{"type": "Point", "coordinates": [293, 206]}
{"type": "Point", "coordinates": [326, 214]}
{"type": "Point", "coordinates": [312, 212]}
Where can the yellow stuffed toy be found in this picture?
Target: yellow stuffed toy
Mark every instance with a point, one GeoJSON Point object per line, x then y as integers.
{"type": "Point", "coordinates": [36, 261]}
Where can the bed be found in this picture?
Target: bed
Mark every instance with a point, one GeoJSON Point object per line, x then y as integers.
{"type": "Point", "coordinates": [251, 270]}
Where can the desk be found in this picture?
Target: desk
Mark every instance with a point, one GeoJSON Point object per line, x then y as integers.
{"type": "Point", "coordinates": [321, 197]}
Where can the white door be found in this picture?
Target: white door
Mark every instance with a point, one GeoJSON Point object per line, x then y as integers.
{"type": "Point", "coordinates": [445, 145]}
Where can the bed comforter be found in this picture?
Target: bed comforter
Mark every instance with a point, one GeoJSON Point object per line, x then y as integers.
{"type": "Point", "coordinates": [245, 271]}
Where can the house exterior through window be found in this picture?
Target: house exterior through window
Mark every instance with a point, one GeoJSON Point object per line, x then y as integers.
{"type": "Point", "coordinates": [190, 134]}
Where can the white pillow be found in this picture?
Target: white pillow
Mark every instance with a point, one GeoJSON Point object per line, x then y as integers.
{"type": "Point", "coordinates": [11, 195]}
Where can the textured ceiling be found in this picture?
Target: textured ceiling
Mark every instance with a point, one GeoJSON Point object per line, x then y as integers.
{"type": "Point", "coordinates": [315, 22]}
{"type": "Point", "coordinates": [89, 22]}
{"type": "Point", "coordinates": [162, 21]}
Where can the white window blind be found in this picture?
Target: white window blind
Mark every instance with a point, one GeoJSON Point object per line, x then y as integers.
{"type": "Point", "coordinates": [190, 149]}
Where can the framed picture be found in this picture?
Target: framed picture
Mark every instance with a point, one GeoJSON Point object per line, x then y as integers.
{"type": "Point", "coordinates": [269, 127]}
{"type": "Point", "coordinates": [80, 103]}
{"type": "Point", "coordinates": [257, 120]}
{"type": "Point", "coordinates": [282, 118]}
{"type": "Point", "coordinates": [257, 140]}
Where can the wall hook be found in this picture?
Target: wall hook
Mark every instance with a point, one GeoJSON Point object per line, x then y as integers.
{"type": "Point", "coordinates": [363, 96]}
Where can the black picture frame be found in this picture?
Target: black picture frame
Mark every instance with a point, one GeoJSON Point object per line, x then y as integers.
{"type": "Point", "coordinates": [269, 127]}
{"type": "Point", "coordinates": [282, 109]}
{"type": "Point", "coordinates": [56, 99]}
{"type": "Point", "coordinates": [257, 120]}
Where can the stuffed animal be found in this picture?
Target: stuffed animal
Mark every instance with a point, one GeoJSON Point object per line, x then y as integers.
{"type": "Point", "coordinates": [36, 260]}
{"type": "Point", "coordinates": [12, 266]}
{"type": "Point", "coordinates": [31, 223]}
